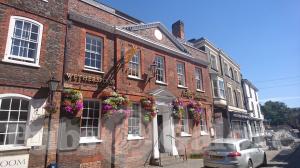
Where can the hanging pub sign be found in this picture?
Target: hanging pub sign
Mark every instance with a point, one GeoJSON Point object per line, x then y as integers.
{"type": "Point", "coordinates": [87, 79]}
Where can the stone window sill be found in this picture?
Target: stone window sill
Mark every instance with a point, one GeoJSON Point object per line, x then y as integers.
{"type": "Point", "coordinates": [14, 148]}
{"type": "Point", "coordinates": [21, 63]}
{"type": "Point", "coordinates": [87, 140]}
{"type": "Point", "coordinates": [182, 87]}
{"type": "Point", "coordinates": [93, 70]}
{"type": "Point", "coordinates": [134, 77]}
{"type": "Point", "coordinates": [161, 83]}
{"type": "Point", "coordinates": [198, 90]}
{"type": "Point", "coordinates": [130, 138]}
{"type": "Point", "coordinates": [185, 134]}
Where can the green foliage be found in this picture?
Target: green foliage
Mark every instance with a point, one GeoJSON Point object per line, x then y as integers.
{"type": "Point", "coordinates": [278, 114]}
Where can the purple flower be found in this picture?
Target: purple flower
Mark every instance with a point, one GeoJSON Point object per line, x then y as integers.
{"type": "Point", "coordinates": [79, 106]}
{"type": "Point", "coordinates": [69, 109]}
{"type": "Point", "coordinates": [107, 107]}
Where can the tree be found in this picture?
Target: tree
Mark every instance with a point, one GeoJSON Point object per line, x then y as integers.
{"type": "Point", "coordinates": [275, 112]}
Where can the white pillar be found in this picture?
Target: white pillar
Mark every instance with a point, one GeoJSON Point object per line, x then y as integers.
{"type": "Point", "coordinates": [174, 149]}
{"type": "Point", "coordinates": [155, 138]}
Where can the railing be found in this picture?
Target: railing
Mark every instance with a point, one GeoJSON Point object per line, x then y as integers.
{"type": "Point", "coordinates": [185, 155]}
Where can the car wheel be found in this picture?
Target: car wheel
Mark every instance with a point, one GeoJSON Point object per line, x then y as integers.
{"type": "Point", "coordinates": [250, 164]}
{"type": "Point", "coordinates": [265, 162]}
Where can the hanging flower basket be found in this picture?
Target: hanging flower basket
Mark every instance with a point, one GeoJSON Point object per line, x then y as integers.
{"type": "Point", "coordinates": [50, 108]}
{"type": "Point", "coordinates": [148, 104]}
{"type": "Point", "coordinates": [195, 110]}
{"type": "Point", "coordinates": [178, 108]}
{"type": "Point", "coordinates": [115, 103]}
{"type": "Point", "coordinates": [72, 103]}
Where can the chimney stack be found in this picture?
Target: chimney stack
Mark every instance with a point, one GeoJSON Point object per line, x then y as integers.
{"type": "Point", "coordinates": [178, 29]}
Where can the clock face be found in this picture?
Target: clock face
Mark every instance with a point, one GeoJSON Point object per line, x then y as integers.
{"type": "Point", "coordinates": [157, 34]}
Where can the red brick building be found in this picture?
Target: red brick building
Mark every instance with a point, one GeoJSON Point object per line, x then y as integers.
{"type": "Point", "coordinates": [32, 39]}
{"type": "Point", "coordinates": [96, 61]}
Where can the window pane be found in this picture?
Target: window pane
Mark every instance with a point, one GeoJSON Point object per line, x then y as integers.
{"type": "Point", "coordinates": [83, 132]}
{"type": "Point", "coordinates": [15, 104]}
{"type": "Point", "coordinates": [24, 105]}
{"type": "Point", "coordinates": [14, 116]}
{"type": "Point", "coordinates": [2, 136]}
{"type": "Point", "coordinates": [4, 115]}
{"type": "Point", "coordinates": [23, 116]}
{"type": "Point", "coordinates": [20, 138]}
{"type": "Point", "coordinates": [2, 128]}
{"type": "Point", "coordinates": [11, 128]}
{"type": "Point", "coordinates": [5, 104]}
{"type": "Point", "coordinates": [10, 139]}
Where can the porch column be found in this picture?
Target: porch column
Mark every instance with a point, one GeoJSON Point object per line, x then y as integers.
{"type": "Point", "coordinates": [155, 138]}
{"type": "Point", "coordinates": [174, 149]}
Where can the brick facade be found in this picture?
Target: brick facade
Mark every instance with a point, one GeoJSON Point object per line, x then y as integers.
{"type": "Point", "coordinates": [113, 149]}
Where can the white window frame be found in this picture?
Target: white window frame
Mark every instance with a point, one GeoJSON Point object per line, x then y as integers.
{"type": "Point", "coordinates": [203, 127]}
{"type": "Point", "coordinates": [199, 78]}
{"type": "Point", "coordinates": [218, 80]}
{"type": "Point", "coordinates": [137, 76]}
{"type": "Point", "coordinates": [181, 74]}
{"type": "Point", "coordinates": [162, 69]}
{"type": "Point", "coordinates": [231, 94]}
{"type": "Point", "coordinates": [135, 136]}
{"type": "Point", "coordinates": [27, 98]}
{"type": "Point", "coordinates": [184, 122]}
{"type": "Point", "coordinates": [214, 66]}
{"type": "Point", "coordinates": [99, 69]}
{"type": "Point", "coordinates": [7, 54]}
{"type": "Point", "coordinates": [92, 139]}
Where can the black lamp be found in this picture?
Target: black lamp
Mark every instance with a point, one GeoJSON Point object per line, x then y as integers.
{"type": "Point", "coordinates": [53, 85]}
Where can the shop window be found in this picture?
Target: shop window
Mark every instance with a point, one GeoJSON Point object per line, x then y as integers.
{"type": "Point", "coordinates": [90, 121]}
{"type": "Point", "coordinates": [23, 41]}
{"type": "Point", "coordinates": [134, 66]}
{"type": "Point", "coordinates": [199, 79]}
{"type": "Point", "coordinates": [13, 119]}
{"type": "Point", "coordinates": [93, 52]}
{"type": "Point", "coordinates": [160, 69]}
{"type": "Point", "coordinates": [134, 122]}
{"type": "Point", "coordinates": [181, 74]}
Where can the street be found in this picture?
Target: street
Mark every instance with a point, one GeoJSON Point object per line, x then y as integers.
{"type": "Point", "coordinates": [287, 157]}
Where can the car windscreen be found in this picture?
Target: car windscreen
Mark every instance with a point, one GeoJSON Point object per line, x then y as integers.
{"type": "Point", "coordinates": [224, 147]}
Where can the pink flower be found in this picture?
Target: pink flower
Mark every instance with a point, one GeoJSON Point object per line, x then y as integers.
{"type": "Point", "coordinates": [69, 109]}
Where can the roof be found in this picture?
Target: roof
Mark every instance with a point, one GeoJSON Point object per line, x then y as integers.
{"type": "Point", "coordinates": [156, 25]}
{"type": "Point", "coordinates": [107, 8]}
{"type": "Point", "coordinates": [211, 45]}
{"type": "Point", "coordinates": [250, 84]}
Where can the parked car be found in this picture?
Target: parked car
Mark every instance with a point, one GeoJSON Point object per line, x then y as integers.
{"type": "Point", "coordinates": [234, 153]}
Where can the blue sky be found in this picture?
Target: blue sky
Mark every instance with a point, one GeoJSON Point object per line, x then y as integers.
{"type": "Point", "coordinates": [262, 36]}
